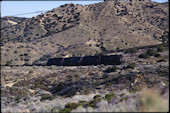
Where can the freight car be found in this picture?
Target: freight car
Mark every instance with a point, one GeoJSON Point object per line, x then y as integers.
{"type": "Point", "coordinates": [87, 60]}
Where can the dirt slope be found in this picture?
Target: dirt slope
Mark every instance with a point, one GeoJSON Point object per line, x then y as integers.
{"type": "Point", "coordinates": [76, 30]}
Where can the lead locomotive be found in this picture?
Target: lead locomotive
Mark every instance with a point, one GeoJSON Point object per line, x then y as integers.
{"type": "Point", "coordinates": [87, 60]}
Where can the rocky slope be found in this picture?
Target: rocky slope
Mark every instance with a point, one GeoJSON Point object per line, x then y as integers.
{"type": "Point", "coordinates": [76, 30]}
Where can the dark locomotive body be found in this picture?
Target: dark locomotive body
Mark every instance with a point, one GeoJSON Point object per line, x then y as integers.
{"type": "Point", "coordinates": [55, 61]}
{"type": "Point", "coordinates": [72, 61]}
{"type": "Point", "coordinates": [111, 60]}
{"type": "Point", "coordinates": [87, 60]}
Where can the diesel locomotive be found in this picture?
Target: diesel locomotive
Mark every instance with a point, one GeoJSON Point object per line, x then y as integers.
{"type": "Point", "coordinates": [86, 60]}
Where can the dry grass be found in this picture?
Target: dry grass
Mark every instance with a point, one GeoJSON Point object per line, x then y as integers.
{"type": "Point", "coordinates": [151, 101]}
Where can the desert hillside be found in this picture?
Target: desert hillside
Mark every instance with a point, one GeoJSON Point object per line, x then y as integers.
{"type": "Point", "coordinates": [77, 30]}
{"type": "Point", "coordinates": [10, 21]}
{"type": "Point", "coordinates": [135, 80]}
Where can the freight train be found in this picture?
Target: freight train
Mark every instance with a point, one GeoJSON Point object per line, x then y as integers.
{"type": "Point", "coordinates": [87, 60]}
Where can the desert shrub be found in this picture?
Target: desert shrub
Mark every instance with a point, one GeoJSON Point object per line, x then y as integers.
{"type": "Point", "coordinates": [93, 102]}
{"type": "Point", "coordinates": [166, 44]}
{"type": "Point", "coordinates": [122, 94]}
{"type": "Point", "coordinates": [69, 107]}
{"type": "Point", "coordinates": [82, 101]}
{"type": "Point", "coordinates": [53, 110]}
{"type": "Point", "coordinates": [9, 62]}
{"type": "Point", "coordinates": [21, 59]}
{"type": "Point", "coordinates": [160, 48]}
{"type": "Point", "coordinates": [132, 51]}
{"type": "Point", "coordinates": [110, 96]}
{"type": "Point", "coordinates": [105, 75]}
{"type": "Point", "coordinates": [157, 55]}
{"type": "Point", "coordinates": [132, 65]}
{"type": "Point", "coordinates": [72, 105]}
{"type": "Point", "coordinates": [26, 59]}
{"type": "Point", "coordinates": [111, 69]}
{"type": "Point", "coordinates": [28, 50]}
{"type": "Point", "coordinates": [46, 97]}
{"type": "Point", "coordinates": [17, 92]}
{"type": "Point", "coordinates": [15, 51]}
{"type": "Point", "coordinates": [25, 54]}
{"type": "Point", "coordinates": [31, 71]}
{"type": "Point", "coordinates": [123, 98]}
{"type": "Point", "coordinates": [65, 110]}
{"type": "Point", "coordinates": [86, 91]}
{"type": "Point", "coordinates": [40, 84]}
{"type": "Point", "coordinates": [145, 56]}
{"type": "Point", "coordinates": [133, 90]}
{"type": "Point", "coordinates": [151, 52]}
{"type": "Point", "coordinates": [96, 96]}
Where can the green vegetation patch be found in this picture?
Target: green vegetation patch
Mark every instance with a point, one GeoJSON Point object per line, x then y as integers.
{"type": "Point", "coordinates": [69, 107]}
{"type": "Point", "coordinates": [123, 94]}
{"type": "Point", "coordinates": [110, 96]}
{"type": "Point", "coordinates": [111, 69]}
{"type": "Point", "coordinates": [132, 66]}
{"type": "Point", "coordinates": [144, 56]}
{"type": "Point", "coordinates": [160, 48]}
{"type": "Point", "coordinates": [151, 52]}
{"type": "Point", "coordinates": [72, 105]}
{"type": "Point", "coordinates": [65, 110]}
{"type": "Point", "coordinates": [82, 101]}
{"type": "Point", "coordinates": [132, 51]}
{"type": "Point", "coordinates": [47, 97]}
{"type": "Point", "coordinates": [96, 96]}
{"type": "Point", "coordinates": [123, 98]}
{"type": "Point", "coordinates": [93, 102]}
{"type": "Point", "coordinates": [96, 99]}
